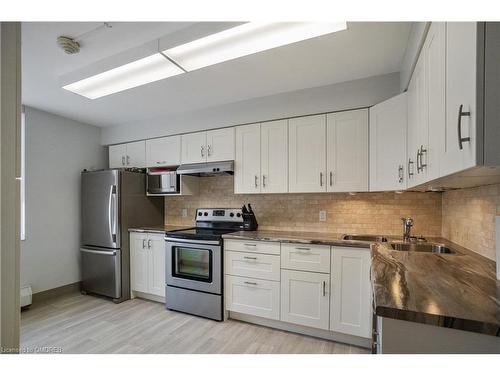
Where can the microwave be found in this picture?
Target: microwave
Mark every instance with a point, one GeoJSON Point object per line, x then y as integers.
{"type": "Point", "coordinates": [160, 181]}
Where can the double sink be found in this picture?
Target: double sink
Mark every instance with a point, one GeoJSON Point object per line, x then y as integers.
{"type": "Point", "coordinates": [420, 247]}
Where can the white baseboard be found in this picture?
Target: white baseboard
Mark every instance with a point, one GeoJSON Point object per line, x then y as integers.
{"type": "Point", "coordinates": [315, 332]}
{"type": "Point", "coordinates": [151, 297]}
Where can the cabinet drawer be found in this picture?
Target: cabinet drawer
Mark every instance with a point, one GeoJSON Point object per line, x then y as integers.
{"type": "Point", "coordinates": [259, 266]}
{"type": "Point", "coordinates": [253, 296]}
{"type": "Point", "coordinates": [302, 257]}
{"type": "Point", "coordinates": [253, 246]}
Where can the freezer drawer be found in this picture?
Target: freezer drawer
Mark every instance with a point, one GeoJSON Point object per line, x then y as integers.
{"type": "Point", "coordinates": [101, 271]}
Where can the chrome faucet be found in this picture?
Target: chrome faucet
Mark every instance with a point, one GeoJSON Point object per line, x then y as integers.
{"type": "Point", "coordinates": [407, 224]}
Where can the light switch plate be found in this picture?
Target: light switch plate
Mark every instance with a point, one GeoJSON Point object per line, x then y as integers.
{"type": "Point", "coordinates": [322, 216]}
{"type": "Point", "coordinates": [184, 212]}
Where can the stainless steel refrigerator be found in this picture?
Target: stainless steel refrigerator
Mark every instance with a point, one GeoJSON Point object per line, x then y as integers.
{"type": "Point", "coordinates": [112, 202]}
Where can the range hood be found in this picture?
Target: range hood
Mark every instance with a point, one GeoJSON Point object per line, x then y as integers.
{"type": "Point", "coordinates": [207, 169]}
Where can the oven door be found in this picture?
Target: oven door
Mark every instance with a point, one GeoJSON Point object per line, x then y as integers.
{"type": "Point", "coordinates": [195, 265]}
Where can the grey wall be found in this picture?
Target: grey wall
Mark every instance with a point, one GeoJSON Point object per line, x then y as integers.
{"type": "Point", "coordinates": [416, 39]}
{"type": "Point", "coordinates": [348, 95]}
{"type": "Point", "coordinates": [57, 149]}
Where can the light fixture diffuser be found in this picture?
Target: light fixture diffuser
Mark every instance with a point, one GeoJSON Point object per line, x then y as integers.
{"type": "Point", "coordinates": [137, 73]}
{"type": "Point", "coordinates": [246, 39]}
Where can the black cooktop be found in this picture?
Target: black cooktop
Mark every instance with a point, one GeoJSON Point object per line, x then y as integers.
{"type": "Point", "coordinates": [200, 233]}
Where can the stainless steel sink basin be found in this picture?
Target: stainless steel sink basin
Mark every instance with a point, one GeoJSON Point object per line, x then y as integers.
{"type": "Point", "coordinates": [367, 238]}
{"type": "Point", "coordinates": [423, 248]}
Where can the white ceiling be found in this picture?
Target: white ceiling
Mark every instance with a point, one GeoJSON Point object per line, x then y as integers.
{"type": "Point", "coordinates": [365, 49]}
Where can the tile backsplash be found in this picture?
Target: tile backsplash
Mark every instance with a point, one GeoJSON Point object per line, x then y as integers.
{"type": "Point", "coordinates": [469, 218]}
{"type": "Point", "coordinates": [377, 213]}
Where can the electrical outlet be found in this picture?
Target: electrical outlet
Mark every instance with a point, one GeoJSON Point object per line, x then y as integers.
{"type": "Point", "coordinates": [322, 216]}
{"type": "Point", "coordinates": [184, 212]}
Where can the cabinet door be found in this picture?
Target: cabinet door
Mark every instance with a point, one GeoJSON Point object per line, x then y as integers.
{"type": "Point", "coordinates": [247, 160]}
{"type": "Point", "coordinates": [411, 140]}
{"type": "Point", "coordinates": [253, 296]}
{"type": "Point", "coordinates": [305, 298]}
{"type": "Point", "coordinates": [434, 50]}
{"type": "Point", "coordinates": [163, 151]}
{"type": "Point", "coordinates": [156, 264]}
{"type": "Point", "coordinates": [307, 154]}
{"type": "Point", "coordinates": [117, 156]}
{"type": "Point", "coordinates": [460, 93]}
{"type": "Point", "coordinates": [136, 154]}
{"type": "Point", "coordinates": [194, 148]}
{"type": "Point", "coordinates": [139, 262]}
{"type": "Point", "coordinates": [351, 296]}
{"type": "Point", "coordinates": [347, 151]}
{"type": "Point", "coordinates": [388, 122]}
{"type": "Point", "coordinates": [220, 144]}
{"type": "Point", "coordinates": [274, 156]}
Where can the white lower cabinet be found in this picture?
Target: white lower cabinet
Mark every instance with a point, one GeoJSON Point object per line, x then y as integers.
{"type": "Point", "coordinates": [305, 298]}
{"type": "Point", "coordinates": [351, 292]}
{"type": "Point", "coordinates": [147, 263]}
{"type": "Point", "coordinates": [253, 296]}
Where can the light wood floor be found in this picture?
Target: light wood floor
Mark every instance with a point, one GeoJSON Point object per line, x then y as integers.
{"type": "Point", "coordinates": [87, 324]}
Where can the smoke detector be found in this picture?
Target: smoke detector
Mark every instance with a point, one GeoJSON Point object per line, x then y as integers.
{"type": "Point", "coordinates": [72, 45]}
{"type": "Point", "coordinates": [68, 45]}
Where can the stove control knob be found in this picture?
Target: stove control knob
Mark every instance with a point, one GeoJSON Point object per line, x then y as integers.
{"type": "Point", "coordinates": [238, 214]}
{"type": "Point", "coordinates": [231, 214]}
{"type": "Point", "coordinates": [206, 214]}
{"type": "Point", "coordinates": [199, 213]}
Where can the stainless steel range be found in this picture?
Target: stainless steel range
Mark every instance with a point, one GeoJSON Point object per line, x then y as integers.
{"type": "Point", "coordinates": [194, 260]}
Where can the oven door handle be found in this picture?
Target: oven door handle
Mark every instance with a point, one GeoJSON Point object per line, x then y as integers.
{"type": "Point", "coordinates": [184, 240]}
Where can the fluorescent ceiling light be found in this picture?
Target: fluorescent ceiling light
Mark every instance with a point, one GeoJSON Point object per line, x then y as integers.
{"type": "Point", "coordinates": [137, 73]}
{"type": "Point", "coordinates": [245, 40]}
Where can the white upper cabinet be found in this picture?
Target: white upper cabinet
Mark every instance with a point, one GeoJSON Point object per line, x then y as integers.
{"type": "Point", "coordinates": [388, 164]}
{"type": "Point", "coordinates": [162, 152]}
{"type": "Point", "coordinates": [212, 145]}
{"type": "Point", "coordinates": [194, 148]}
{"type": "Point", "coordinates": [351, 307]}
{"type": "Point", "coordinates": [274, 156]}
{"type": "Point", "coordinates": [307, 154]}
{"type": "Point", "coordinates": [136, 154]}
{"type": "Point", "coordinates": [247, 160]}
{"type": "Point", "coordinates": [220, 144]}
{"type": "Point", "coordinates": [347, 151]}
{"type": "Point", "coordinates": [129, 155]}
{"type": "Point", "coordinates": [117, 156]}
{"type": "Point", "coordinates": [461, 44]}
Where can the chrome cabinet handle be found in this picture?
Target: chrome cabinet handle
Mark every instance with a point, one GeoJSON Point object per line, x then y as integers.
{"type": "Point", "coordinates": [209, 150]}
{"type": "Point", "coordinates": [422, 152]}
{"type": "Point", "coordinates": [250, 258]}
{"type": "Point", "coordinates": [202, 151]}
{"type": "Point", "coordinates": [400, 174]}
{"type": "Point", "coordinates": [255, 181]}
{"type": "Point", "coordinates": [410, 163]}
{"type": "Point", "coordinates": [249, 283]}
{"type": "Point", "coordinates": [149, 244]}
{"type": "Point", "coordinates": [263, 180]}
{"type": "Point", "coordinates": [128, 160]}
{"type": "Point", "coordinates": [459, 126]}
{"type": "Point", "coordinates": [320, 178]}
{"type": "Point", "coordinates": [331, 178]}
{"type": "Point", "coordinates": [324, 288]}
{"type": "Point", "coordinates": [143, 243]}
{"type": "Point", "coordinates": [418, 161]}
{"type": "Point", "coordinates": [161, 162]}
{"type": "Point", "coordinates": [249, 244]}
{"type": "Point", "coordinates": [123, 160]}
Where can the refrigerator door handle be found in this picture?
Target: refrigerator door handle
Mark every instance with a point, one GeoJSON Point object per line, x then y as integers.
{"type": "Point", "coordinates": [112, 212]}
{"type": "Point", "coordinates": [99, 252]}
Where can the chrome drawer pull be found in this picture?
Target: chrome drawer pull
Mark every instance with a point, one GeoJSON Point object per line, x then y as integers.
{"type": "Point", "coordinates": [249, 244]}
{"type": "Point", "coordinates": [251, 258]}
{"type": "Point", "coordinates": [249, 283]}
{"type": "Point", "coordinates": [303, 248]}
